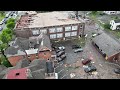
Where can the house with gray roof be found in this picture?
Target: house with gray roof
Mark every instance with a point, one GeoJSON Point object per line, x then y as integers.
{"type": "Point", "coordinates": [108, 47]}
{"type": "Point", "coordinates": [37, 69]}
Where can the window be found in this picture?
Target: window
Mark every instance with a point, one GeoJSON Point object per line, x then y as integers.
{"type": "Point", "coordinates": [74, 27]}
{"type": "Point", "coordinates": [52, 30]}
{"type": "Point", "coordinates": [36, 55]}
{"type": "Point", "coordinates": [59, 29]}
{"type": "Point", "coordinates": [28, 56]}
{"type": "Point", "coordinates": [59, 35]}
{"type": "Point", "coordinates": [68, 28]}
{"type": "Point", "coordinates": [52, 36]}
{"type": "Point", "coordinates": [43, 31]}
{"type": "Point", "coordinates": [35, 32]}
{"type": "Point", "coordinates": [73, 33]}
{"type": "Point", "coordinates": [67, 34]}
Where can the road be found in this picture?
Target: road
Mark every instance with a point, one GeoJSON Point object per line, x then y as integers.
{"type": "Point", "coordinates": [4, 25]}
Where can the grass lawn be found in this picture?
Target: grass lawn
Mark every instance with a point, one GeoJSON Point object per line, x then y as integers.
{"type": "Point", "coordinates": [115, 33]}
{"type": "Point", "coordinates": [1, 17]}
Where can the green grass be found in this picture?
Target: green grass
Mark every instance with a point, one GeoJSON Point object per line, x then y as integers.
{"type": "Point", "coordinates": [1, 17]}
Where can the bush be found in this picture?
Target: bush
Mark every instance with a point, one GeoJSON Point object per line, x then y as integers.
{"type": "Point", "coordinates": [107, 26]}
{"type": "Point", "coordinates": [5, 62]}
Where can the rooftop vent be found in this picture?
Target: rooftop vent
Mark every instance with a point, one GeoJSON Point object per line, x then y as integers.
{"type": "Point", "coordinates": [17, 74]}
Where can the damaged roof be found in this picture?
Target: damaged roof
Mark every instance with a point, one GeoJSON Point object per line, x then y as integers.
{"type": "Point", "coordinates": [12, 51]}
{"type": "Point", "coordinates": [45, 43]}
{"type": "Point", "coordinates": [107, 44]}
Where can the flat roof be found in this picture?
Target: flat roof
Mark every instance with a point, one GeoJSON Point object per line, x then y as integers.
{"type": "Point", "coordinates": [108, 45]}
{"type": "Point", "coordinates": [31, 51]}
{"type": "Point", "coordinates": [45, 20]}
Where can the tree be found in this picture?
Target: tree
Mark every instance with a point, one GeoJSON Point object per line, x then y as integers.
{"type": "Point", "coordinates": [5, 62]}
{"type": "Point", "coordinates": [10, 25]}
{"type": "Point", "coordinates": [8, 31]}
{"type": "Point", "coordinates": [5, 38]}
{"type": "Point", "coordinates": [11, 20]}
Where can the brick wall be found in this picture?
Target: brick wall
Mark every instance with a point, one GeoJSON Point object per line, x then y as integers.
{"type": "Point", "coordinates": [44, 55]}
{"type": "Point", "coordinates": [32, 57]}
{"type": "Point", "coordinates": [23, 33]}
{"type": "Point", "coordinates": [14, 59]}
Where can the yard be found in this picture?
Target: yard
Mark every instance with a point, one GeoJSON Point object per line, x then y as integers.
{"type": "Point", "coordinates": [100, 19]}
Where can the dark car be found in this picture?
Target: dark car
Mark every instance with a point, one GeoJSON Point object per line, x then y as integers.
{"type": "Point", "coordinates": [75, 46]}
{"type": "Point", "coordinates": [90, 68]}
{"type": "Point", "coordinates": [86, 61]}
{"type": "Point", "coordinates": [60, 53]}
{"type": "Point", "coordinates": [117, 70]}
{"type": "Point", "coordinates": [61, 58]}
{"type": "Point", "coordinates": [58, 50]}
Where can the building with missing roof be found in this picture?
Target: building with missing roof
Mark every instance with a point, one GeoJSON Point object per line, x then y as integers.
{"type": "Point", "coordinates": [57, 25]}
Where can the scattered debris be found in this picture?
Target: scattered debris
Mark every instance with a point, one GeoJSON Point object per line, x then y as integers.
{"type": "Point", "coordinates": [100, 65]}
{"type": "Point", "coordinates": [82, 59]}
{"type": "Point", "coordinates": [92, 62]}
{"type": "Point", "coordinates": [72, 75]}
{"type": "Point", "coordinates": [94, 73]}
{"type": "Point", "coordinates": [84, 66]}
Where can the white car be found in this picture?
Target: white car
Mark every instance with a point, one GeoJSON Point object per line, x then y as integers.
{"type": "Point", "coordinates": [61, 48]}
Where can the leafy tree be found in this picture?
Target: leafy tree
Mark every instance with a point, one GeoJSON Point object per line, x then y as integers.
{"type": "Point", "coordinates": [10, 20]}
{"type": "Point", "coordinates": [8, 31]}
{"type": "Point", "coordinates": [3, 46]}
{"type": "Point", "coordinates": [5, 62]}
{"type": "Point", "coordinates": [10, 25]}
{"type": "Point", "coordinates": [107, 26]}
{"type": "Point", "coordinates": [5, 38]}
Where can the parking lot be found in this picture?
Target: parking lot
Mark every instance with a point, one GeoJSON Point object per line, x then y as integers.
{"type": "Point", "coordinates": [73, 61]}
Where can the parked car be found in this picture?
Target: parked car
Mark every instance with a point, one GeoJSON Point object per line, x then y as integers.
{"type": "Point", "coordinates": [61, 58]}
{"type": "Point", "coordinates": [1, 28]}
{"type": "Point", "coordinates": [1, 23]}
{"type": "Point", "coordinates": [117, 70]}
{"type": "Point", "coordinates": [58, 50]}
{"type": "Point", "coordinates": [60, 53]}
{"type": "Point", "coordinates": [75, 46]}
{"type": "Point", "coordinates": [61, 48]}
{"type": "Point", "coordinates": [78, 50]}
{"type": "Point", "coordinates": [94, 35]}
{"type": "Point", "coordinates": [90, 68]}
{"type": "Point", "coordinates": [86, 61]}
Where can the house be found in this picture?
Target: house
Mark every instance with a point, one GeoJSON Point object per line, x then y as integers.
{"type": "Point", "coordinates": [107, 46]}
{"type": "Point", "coordinates": [33, 48]}
{"type": "Point", "coordinates": [112, 12]}
{"type": "Point", "coordinates": [115, 24]}
{"type": "Point", "coordinates": [57, 25]}
{"type": "Point", "coordinates": [37, 69]}
{"type": "Point", "coordinates": [23, 73]}
{"type": "Point", "coordinates": [14, 55]}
